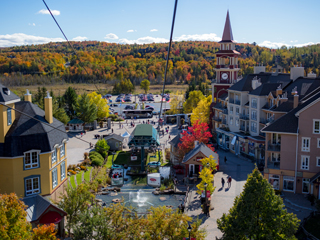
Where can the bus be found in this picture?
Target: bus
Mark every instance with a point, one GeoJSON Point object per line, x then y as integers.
{"type": "Point", "coordinates": [146, 113]}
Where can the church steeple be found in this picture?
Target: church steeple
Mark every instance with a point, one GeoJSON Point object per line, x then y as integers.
{"type": "Point", "coordinates": [227, 32]}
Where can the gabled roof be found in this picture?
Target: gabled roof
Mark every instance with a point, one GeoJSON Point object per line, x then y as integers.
{"type": "Point", "coordinates": [304, 86]}
{"type": "Point", "coordinates": [175, 141]}
{"type": "Point", "coordinates": [200, 148]}
{"type": "Point", "coordinates": [264, 89]}
{"type": "Point", "coordinates": [227, 32]}
{"type": "Point", "coordinates": [6, 96]}
{"type": "Point", "coordinates": [36, 206]}
{"type": "Point", "coordinates": [26, 133]}
{"type": "Point", "coordinates": [76, 121]}
{"type": "Point", "coordinates": [115, 136]}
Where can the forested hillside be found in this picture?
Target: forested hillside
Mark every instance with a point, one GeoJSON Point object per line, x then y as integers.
{"type": "Point", "coordinates": [110, 62]}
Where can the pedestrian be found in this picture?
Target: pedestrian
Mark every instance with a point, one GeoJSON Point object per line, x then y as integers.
{"type": "Point", "coordinates": [112, 130]}
{"type": "Point", "coordinates": [81, 134]}
{"type": "Point", "coordinates": [225, 159]}
{"type": "Point", "coordinates": [208, 209]}
{"type": "Point", "coordinates": [222, 182]}
{"type": "Point", "coordinates": [182, 208]}
{"type": "Point", "coordinates": [169, 137]}
{"type": "Point", "coordinates": [229, 181]}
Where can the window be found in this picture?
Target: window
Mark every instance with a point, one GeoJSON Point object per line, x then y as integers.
{"type": "Point", "coordinates": [32, 185]}
{"type": "Point", "coordinates": [253, 127]}
{"type": "Point", "coordinates": [288, 183]}
{"type": "Point", "coordinates": [318, 161]}
{"type": "Point", "coordinates": [254, 103]}
{"type": "Point", "coordinates": [318, 142]}
{"type": "Point", "coordinates": [231, 110]}
{"type": "Point", "coordinates": [254, 115]}
{"type": "Point", "coordinates": [305, 162]}
{"type": "Point", "coordinates": [276, 138]}
{"type": "Point", "coordinates": [117, 144]}
{"type": "Point", "coordinates": [9, 118]}
{"type": "Point", "coordinates": [305, 185]}
{"type": "Point", "coordinates": [54, 156]}
{"type": "Point", "coordinates": [31, 160]}
{"type": "Point", "coordinates": [305, 145]}
{"type": "Point", "coordinates": [231, 120]}
{"type": "Point", "coordinates": [237, 111]}
{"type": "Point", "coordinates": [274, 181]}
{"type": "Point", "coordinates": [237, 121]}
{"type": "Point", "coordinates": [62, 150]}
{"type": "Point", "coordinates": [316, 126]}
{"type": "Point", "coordinates": [62, 170]}
{"type": "Point", "coordinates": [54, 178]}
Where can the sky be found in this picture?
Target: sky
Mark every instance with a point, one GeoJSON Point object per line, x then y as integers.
{"type": "Point", "coordinates": [272, 23]}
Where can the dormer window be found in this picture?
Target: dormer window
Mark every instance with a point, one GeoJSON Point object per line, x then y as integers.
{"type": "Point", "coordinates": [9, 117]}
{"type": "Point", "coordinates": [31, 160]}
{"type": "Point", "coordinates": [62, 150]}
{"type": "Point", "coordinates": [54, 156]}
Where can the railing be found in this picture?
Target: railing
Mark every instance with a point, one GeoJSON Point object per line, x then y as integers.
{"type": "Point", "coordinates": [268, 120]}
{"type": "Point", "coordinates": [224, 121]}
{"type": "Point", "coordinates": [225, 111]}
{"type": "Point", "coordinates": [273, 163]}
{"type": "Point", "coordinates": [218, 119]}
{"type": "Point", "coordinates": [244, 116]}
{"type": "Point", "coordinates": [274, 147]}
{"type": "Point", "coordinates": [244, 128]}
{"type": "Point", "coordinates": [237, 102]}
{"type": "Point", "coordinates": [231, 100]}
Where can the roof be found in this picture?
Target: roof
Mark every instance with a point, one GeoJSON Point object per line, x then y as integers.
{"type": "Point", "coordinates": [227, 32]}
{"type": "Point", "coordinates": [26, 133]}
{"type": "Point", "coordinates": [6, 96]}
{"type": "Point", "coordinates": [223, 96]}
{"type": "Point", "coordinates": [284, 107]}
{"type": "Point", "coordinates": [304, 86]}
{"type": "Point", "coordinates": [144, 130]}
{"type": "Point", "coordinates": [288, 123]}
{"type": "Point", "coordinates": [264, 89]}
{"type": "Point", "coordinates": [175, 141]}
{"type": "Point", "coordinates": [200, 148]}
{"type": "Point", "coordinates": [36, 206]}
{"type": "Point", "coordinates": [114, 136]}
{"type": "Point", "coordinates": [76, 121]}
{"type": "Point", "coordinates": [227, 52]}
{"type": "Point", "coordinates": [315, 177]}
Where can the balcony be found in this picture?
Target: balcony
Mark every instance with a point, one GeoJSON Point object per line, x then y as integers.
{"type": "Point", "coordinates": [268, 120]}
{"type": "Point", "coordinates": [237, 102]}
{"type": "Point", "coordinates": [274, 147]}
{"type": "Point", "coordinates": [273, 163]}
{"type": "Point", "coordinates": [244, 116]}
{"type": "Point", "coordinates": [231, 100]}
{"type": "Point", "coordinates": [224, 121]}
{"type": "Point", "coordinates": [217, 119]}
{"type": "Point", "coordinates": [225, 111]}
{"type": "Point", "coordinates": [244, 129]}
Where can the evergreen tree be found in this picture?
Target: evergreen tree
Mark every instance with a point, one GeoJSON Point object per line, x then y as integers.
{"type": "Point", "coordinates": [70, 100]}
{"type": "Point", "coordinates": [258, 213]}
{"type": "Point", "coordinates": [86, 110]}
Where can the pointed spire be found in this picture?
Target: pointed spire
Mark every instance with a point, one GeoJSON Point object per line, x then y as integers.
{"type": "Point", "coordinates": [227, 32]}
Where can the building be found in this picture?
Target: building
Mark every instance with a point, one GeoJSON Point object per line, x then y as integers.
{"type": "Point", "coordinates": [75, 125]}
{"type": "Point", "coordinates": [174, 150]}
{"type": "Point", "coordinates": [33, 148]}
{"type": "Point", "coordinates": [292, 160]}
{"type": "Point", "coordinates": [115, 142]}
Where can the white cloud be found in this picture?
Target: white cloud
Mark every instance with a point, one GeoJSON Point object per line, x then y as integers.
{"type": "Point", "coordinates": [154, 30]}
{"type": "Point", "coordinates": [270, 44]}
{"type": "Point", "coordinates": [199, 37]}
{"type": "Point", "coordinates": [79, 38]}
{"type": "Point", "coordinates": [18, 39]}
{"type": "Point", "coordinates": [54, 12]}
{"type": "Point", "coordinates": [143, 40]}
{"type": "Point", "coordinates": [130, 30]}
{"type": "Point", "coordinates": [111, 36]}
{"type": "Point", "coordinates": [32, 24]}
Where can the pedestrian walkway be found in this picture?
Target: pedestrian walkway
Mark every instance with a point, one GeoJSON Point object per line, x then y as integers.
{"type": "Point", "coordinates": [222, 198]}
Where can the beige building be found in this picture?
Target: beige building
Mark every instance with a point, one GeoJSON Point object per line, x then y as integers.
{"type": "Point", "coordinates": [292, 148]}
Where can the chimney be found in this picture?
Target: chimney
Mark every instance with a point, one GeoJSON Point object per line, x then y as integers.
{"type": "Point", "coordinates": [295, 100]}
{"type": "Point", "coordinates": [255, 82]}
{"type": "Point", "coordinates": [48, 108]}
{"type": "Point", "coordinates": [311, 75]}
{"type": "Point", "coordinates": [196, 143]}
{"type": "Point", "coordinates": [27, 96]}
{"type": "Point", "coordinates": [259, 69]}
{"type": "Point", "coordinates": [296, 72]}
{"type": "Point", "coordinates": [279, 91]}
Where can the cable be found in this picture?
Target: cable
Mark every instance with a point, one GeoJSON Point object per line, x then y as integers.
{"type": "Point", "coordinates": [165, 72]}
{"type": "Point", "coordinates": [43, 122]}
{"type": "Point", "coordinates": [69, 42]}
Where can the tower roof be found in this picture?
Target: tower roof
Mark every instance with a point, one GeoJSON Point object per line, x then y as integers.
{"type": "Point", "coordinates": [227, 32]}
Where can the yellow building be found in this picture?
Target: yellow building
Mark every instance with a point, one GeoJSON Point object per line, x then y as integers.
{"type": "Point", "coordinates": [33, 153]}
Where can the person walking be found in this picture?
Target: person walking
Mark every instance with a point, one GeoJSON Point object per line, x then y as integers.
{"type": "Point", "coordinates": [112, 130]}
{"type": "Point", "coordinates": [222, 182]}
{"type": "Point", "coordinates": [225, 159]}
{"type": "Point", "coordinates": [229, 181]}
{"type": "Point", "coordinates": [208, 209]}
{"type": "Point", "coordinates": [169, 137]}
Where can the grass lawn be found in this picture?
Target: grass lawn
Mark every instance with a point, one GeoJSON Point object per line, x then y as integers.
{"type": "Point", "coordinates": [313, 226]}
{"type": "Point", "coordinates": [79, 177]}
{"type": "Point", "coordinates": [139, 179]}
{"type": "Point", "coordinates": [109, 161]}
{"type": "Point", "coordinates": [73, 184]}
{"type": "Point", "coordinates": [87, 175]}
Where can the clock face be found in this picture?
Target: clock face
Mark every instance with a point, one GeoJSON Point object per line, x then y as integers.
{"type": "Point", "coordinates": [224, 76]}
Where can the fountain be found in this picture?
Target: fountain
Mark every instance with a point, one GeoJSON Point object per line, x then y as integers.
{"type": "Point", "coordinates": [138, 197]}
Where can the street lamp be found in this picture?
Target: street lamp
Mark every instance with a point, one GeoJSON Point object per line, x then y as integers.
{"type": "Point", "coordinates": [189, 230]}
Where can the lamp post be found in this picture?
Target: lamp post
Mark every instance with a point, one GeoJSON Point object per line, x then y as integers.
{"type": "Point", "coordinates": [189, 230]}
{"type": "Point", "coordinates": [205, 196]}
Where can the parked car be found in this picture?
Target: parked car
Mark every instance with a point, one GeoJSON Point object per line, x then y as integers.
{"type": "Point", "coordinates": [119, 100]}
{"type": "Point", "coordinates": [128, 107]}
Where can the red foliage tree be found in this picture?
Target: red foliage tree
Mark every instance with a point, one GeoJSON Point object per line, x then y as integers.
{"type": "Point", "coordinates": [198, 132]}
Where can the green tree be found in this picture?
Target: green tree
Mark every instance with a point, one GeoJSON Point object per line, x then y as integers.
{"type": "Point", "coordinates": [192, 101]}
{"type": "Point", "coordinates": [101, 104]}
{"type": "Point", "coordinates": [86, 109]}
{"type": "Point", "coordinates": [70, 101]}
{"type": "Point", "coordinates": [13, 218]}
{"type": "Point", "coordinates": [73, 203]}
{"type": "Point", "coordinates": [102, 147]}
{"type": "Point", "coordinates": [145, 85]}
{"type": "Point", "coordinates": [258, 213]}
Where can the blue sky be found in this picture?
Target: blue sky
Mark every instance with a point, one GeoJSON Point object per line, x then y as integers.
{"type": "Point", "coordinates": [269, 23]}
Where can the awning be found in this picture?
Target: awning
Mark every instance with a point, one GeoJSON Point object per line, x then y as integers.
{"type": "Point", "coordinates": [125, 135]}
{"type": "Point", "coordinates": [234, 139]}
{"type": "Point", "coordinates": [315, 177]}
{"type": "Point", "coordinates": [51, 217]}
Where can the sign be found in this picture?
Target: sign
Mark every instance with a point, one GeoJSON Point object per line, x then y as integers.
{"type": "Point", "coordinates": [208, 194]}
{"type": "Point", "coordinates": [198, 159]}
{"type": "Point", "coordinates": [134, 158]}
{"type": "Point", "coordinates": [117, 177]}
{"type": "Point", "coordinates": [153, 179]}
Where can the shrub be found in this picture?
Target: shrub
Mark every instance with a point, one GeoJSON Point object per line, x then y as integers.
{"type": "Point", "coordinates": [96, 158]}
{"type": "Point", "coordinates": [162, 188]}
{"type": "Point", "coordinates": [83, 168]}
{"type": "Point", "coordinates": [85, 156]}
{"type": "Point", "coordinates": [72, 172]}
{"type": "Point", "coordinates": [102, 147]}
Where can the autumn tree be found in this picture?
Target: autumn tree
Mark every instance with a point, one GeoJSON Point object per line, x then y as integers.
{"type": "Point", "coordinates": [124, 86]}
{"type": "Point", "coordinates": [86, 109]}
{"type": "Point", "coordinates": [258, 213]}
{"type": "Point", "coordinates": [70, 101]}
{"type": "Point", "coordinates": [192, 101]}
{"type": "Point", "coordinates": [198, 132]}
{"type": "Point", "coordinates": [13, 218]}
{"type": "Point", "coordinates": [176, 103]}
{"type": "Point", "coordinates": [101, 104]}
{"type": "Point", "coordinates": [47, 232]}
{"type": "Point", "coordinates": [202, 111]}
{"type": "Point", "coordinates": [209, 165]}
{"type": "Point", "coordinates": [145, 85]}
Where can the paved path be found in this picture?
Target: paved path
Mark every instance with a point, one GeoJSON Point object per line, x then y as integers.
{"type": "Point", "coordinates": [222, 199]}
{"type": "Point", "coordinates": [76, 148]}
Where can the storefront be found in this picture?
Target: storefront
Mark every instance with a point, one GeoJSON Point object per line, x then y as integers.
{"type": "Point", "coordinates": [223, 138]}
{"type": "Point", "coordinates": [256, 148]}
